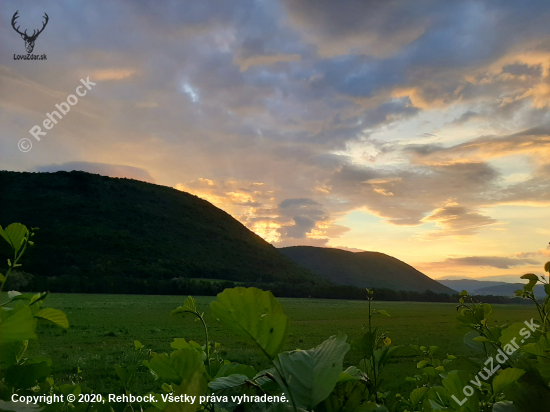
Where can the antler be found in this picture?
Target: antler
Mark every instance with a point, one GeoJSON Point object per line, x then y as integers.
{"type": "Point", "coordinates": [15, 16]}
{"type": "Point", "coordinates": [43, 26]}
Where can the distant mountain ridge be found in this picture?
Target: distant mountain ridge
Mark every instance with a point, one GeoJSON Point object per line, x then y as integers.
{"type": "Point", "coordinates": [363, 269]}
{"type": "Point", "coordinates": [495, 288]}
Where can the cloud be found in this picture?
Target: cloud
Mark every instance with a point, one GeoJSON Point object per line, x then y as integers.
{"type": "Point", "coordinates": [123, 171]}
{"type": "Point", "coordinates": [369, 27]}
{"type": "Point", "coordinates": [112, 74]}
{"type": "Point", "coordinates": [257, 106]}
{"type": "Point", "coordinates": [455, 220]}
{"type": "Point", "coordinates": [304, 212]}
{"type": "Point", "coordinates": [245, 63]}
{"type": "Point", "coordinates": [499, 262]}
{"type": "Point", "coordinates": [534, 141]}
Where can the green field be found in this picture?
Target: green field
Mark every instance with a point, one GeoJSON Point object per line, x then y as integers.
{"type": "Point", "coordinates": [103, 328]}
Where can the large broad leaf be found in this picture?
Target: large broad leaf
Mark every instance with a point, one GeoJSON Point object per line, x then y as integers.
{"type": "Point", "coordinates": [29, 374]}
{"type": "Point", "coordinates": [161, 365]}
{"type": "Point", "coordinates": [506, 377]}
{"type": "Point", "coordinates": [53, 315]}
{"type": "Point", "coordinates": [505, 406]}
{"type": "Point", "coordinates": [18, 407]}
{"type": "Point", "coordinates": [236, 369]}
{"type": "Point", "coordinates": [348, 396]}
{"type": "Point", "coordinates": [17, 324]}
{"type": "Point", "coordinates": [455, 382]}
{"type": "Point", "coordinates": [188, 365]}
{"type": "Point", "coordinates": [13, 352]}
{"type": "Point", "coordinates": [417, 395]}
{"type": "Point", "coordinates": [512, 334]}
{"type": "Point", "coordinates": [309, 376]}
{"type": "Point", "coordinates": [365, 344]}
{"type": "Point", "coordinates": [15, 234]}
{"type": "Point", "coordinates": [255, 313]}
{"type": "Point", "coordinates": [469, 339]}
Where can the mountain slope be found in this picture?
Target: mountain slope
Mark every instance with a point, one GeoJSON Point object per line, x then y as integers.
{"type": "Point", "coordinates": [362, 269]}
{"type": "Point", "coordinates": [97, 226]}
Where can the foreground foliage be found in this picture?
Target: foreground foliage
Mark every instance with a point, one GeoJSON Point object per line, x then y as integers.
{"type": "Point", "coordinates": [513, 361]}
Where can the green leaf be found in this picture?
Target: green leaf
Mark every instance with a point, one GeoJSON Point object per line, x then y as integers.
{"type": "Point", "coordinates": [19, 407]}
{"type": "Point", "coordinates": [125, 374]}
{"type": "Point", "coordinates": [513, 332]}
{"type": "Point", "coordinates": [161, 365]}
{"type": "Point", "coordinates": [469, 339]}
{"type": "Point", "coordinates": [17, 324]}
{"type": "Point", "coordinates": [227, 382]}
{"type": "Point", "coordinates": [189, 306]}
{"type": "Point", "coordinates": [383, 312]}
{"type": "Point", "coordinates": [506, 377]}
{"type": "Point", "coordinates": [505, 406]}
{"type": "Point", "coordinates": [138, 344]}
{"type": "Point", "coordinates": [463, 293]}
{"type": "Point", "coordinates": [15, 234]}
{"type": "Point", "coordinates": [547, 267]}
{"type": "Point", "coordinates": [189, 366]}
{"type": "Point", "coordinates": [236, 369]}
{"type": "Point", "coordinates": [529, 287]}
{"type": "Point", "coordinates": [455, 383]}
{"type": "Point", "coordinates": [480, 339]}
{"type": "Point", "coordinates": [417, 395]}
{"type": "Point", "coordinates": [530, 276]}
{"type": "Point", "coordinates": [13, 352]}
{"type": "Point", "coordinates": [421, 364]}
{"type": "Point", "coordinates": [179, 343]}
{"type": "Point", "coordinates": [53, 315]}
{"type": "Point", "coordinates": [311, 374]}
{"type": "Point", "coordinates": [38, 297]}
{"type": "Point", "coordinates": [29, 374]}
{"type": "Point", "coordinates": [547, 288]}
{"type": "Point", "coordinates": [437, 398]}
{"type": "Point", "coordinates": [254, 313]}
{"type": "Point", "coordinates": [365, 343]}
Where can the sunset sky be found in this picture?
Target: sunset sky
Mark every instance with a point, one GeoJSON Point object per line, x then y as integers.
{"type": "Point", "coordinates": [420, 129]}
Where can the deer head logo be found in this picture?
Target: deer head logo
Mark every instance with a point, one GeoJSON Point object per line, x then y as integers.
{"type": "Point", "coordinates": [29, 40]}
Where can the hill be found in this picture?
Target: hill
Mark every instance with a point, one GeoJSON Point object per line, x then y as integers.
{"type": "Point", "coordinates": [478, 287]}
{"type": "Point", "coordinates": [470, 285]}
{"type": "Point", "coordinates": [363, 269]}
{"type": "Point", "coordinates": [96, 229]}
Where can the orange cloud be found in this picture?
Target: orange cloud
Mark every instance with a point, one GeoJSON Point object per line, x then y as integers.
{"type": "Point", "coordinates": [112, 74]}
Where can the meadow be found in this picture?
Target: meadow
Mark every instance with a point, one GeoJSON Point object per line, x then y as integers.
{"type": "Point", "coordinates": [104, 327]}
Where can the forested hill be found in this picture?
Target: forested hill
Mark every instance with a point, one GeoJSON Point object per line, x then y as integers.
{"type": "Point", "coordinates": [363, 269]}
{"type": "Point", "coordinates": [94, 229]}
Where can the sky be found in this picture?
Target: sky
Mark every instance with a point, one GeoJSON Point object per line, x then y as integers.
{"type": "Point", "coordinates": [417, 129]}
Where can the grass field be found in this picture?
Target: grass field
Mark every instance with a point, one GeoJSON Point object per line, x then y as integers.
{"type": "Point", "coordinates": [103, 328]}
